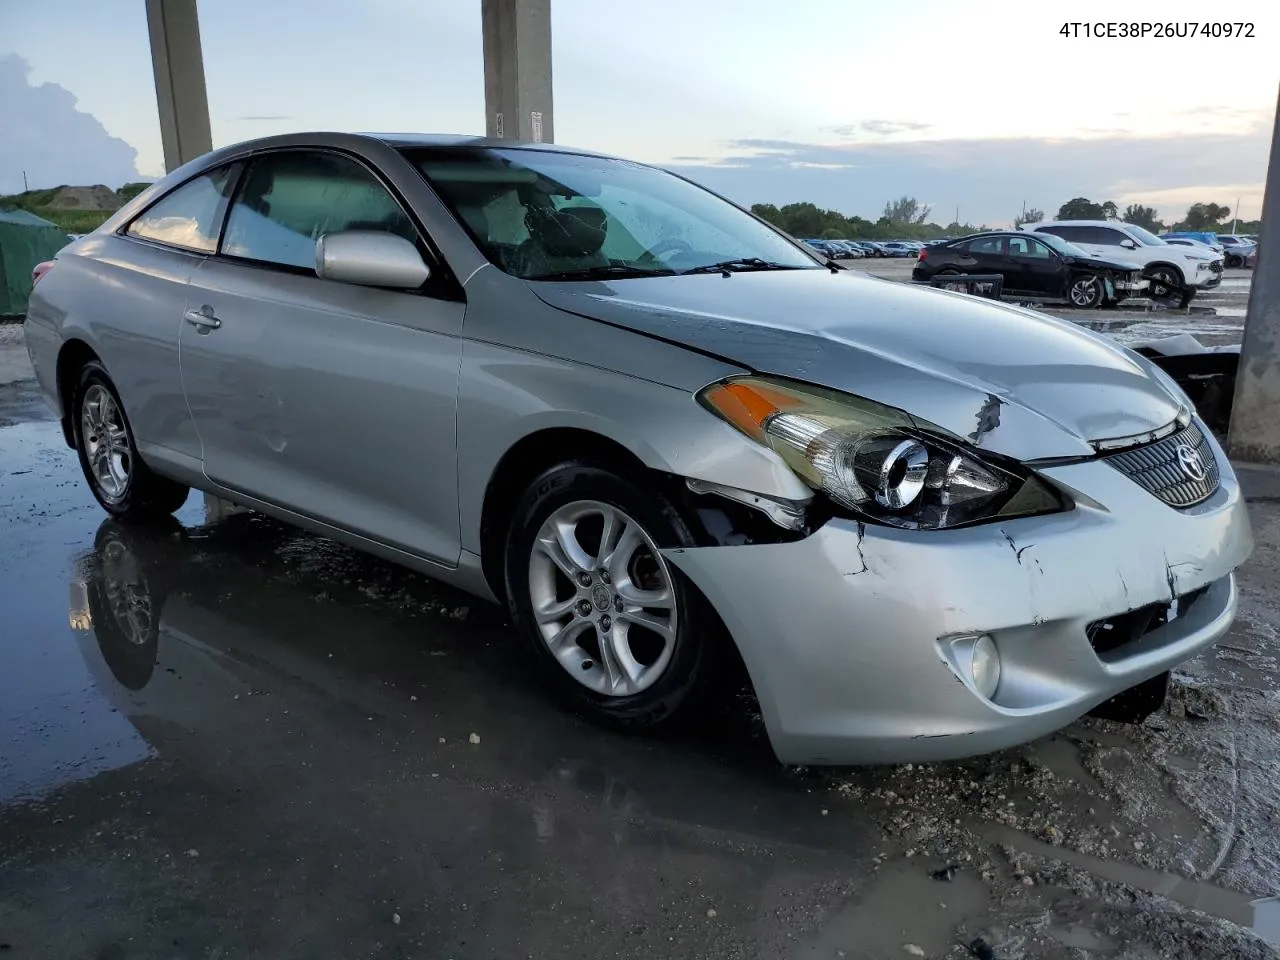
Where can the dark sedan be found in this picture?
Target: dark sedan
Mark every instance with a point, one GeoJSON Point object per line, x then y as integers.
{"type": "Point", "coordinates": [1040, 267]}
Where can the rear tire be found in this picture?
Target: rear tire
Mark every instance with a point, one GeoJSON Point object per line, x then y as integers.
{"type": "Point", "coordinates": [618, 633]}
{"type": "Point", "coordinates": [119, 480]}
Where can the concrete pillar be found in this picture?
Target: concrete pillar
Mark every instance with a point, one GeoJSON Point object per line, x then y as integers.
{"type": "Point", "coordinates": [178, 64]}
{"type": "Point", "coordinates": [1254, 434]}
{"type": "Point", "coordinates": [517, 69]}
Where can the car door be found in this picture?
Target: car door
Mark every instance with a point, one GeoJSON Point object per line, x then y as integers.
{"type": "Point", "coordinates": [1112, 244]}
{"type": "Point", "coordinates": [986, 255]}
{"type": "Point", "coordinates": [1038, 269]}
{"type": "Point", "coordinates": [332, 400]}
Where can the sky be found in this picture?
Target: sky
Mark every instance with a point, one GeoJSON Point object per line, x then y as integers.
{"type": "Point", "coordinates": [973, 108]}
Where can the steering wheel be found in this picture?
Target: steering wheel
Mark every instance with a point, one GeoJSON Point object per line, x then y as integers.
{"type": "Point", "coordinates": [672, 244]}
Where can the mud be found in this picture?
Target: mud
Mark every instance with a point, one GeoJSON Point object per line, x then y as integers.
{"type": "Point", "coordinates": [237, 739]}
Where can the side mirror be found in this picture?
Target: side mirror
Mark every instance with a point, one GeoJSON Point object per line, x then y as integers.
{"type": "Point", "coordinates": [370, 258]}
{"type": "Point", "coordinates": [1128, 244]}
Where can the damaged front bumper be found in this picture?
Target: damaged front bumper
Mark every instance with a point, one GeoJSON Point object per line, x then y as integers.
{"type": "Point", "coordinates": [849, 634]}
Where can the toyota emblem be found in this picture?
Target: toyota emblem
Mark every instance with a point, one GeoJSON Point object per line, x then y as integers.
{"type": "Point", "coordinates": [1191, 462]}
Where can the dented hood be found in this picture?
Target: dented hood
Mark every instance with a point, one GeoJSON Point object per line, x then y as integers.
{"type": "Point", "coordinates": [1009, 380]}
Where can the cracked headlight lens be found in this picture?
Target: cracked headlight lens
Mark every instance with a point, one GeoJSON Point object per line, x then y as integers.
{"type": "Point", "coordinates": [875, 461]}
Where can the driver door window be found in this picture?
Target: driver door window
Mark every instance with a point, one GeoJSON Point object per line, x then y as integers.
{"type": "Point", "coordinates": [1027, 247]}
{"type": "Point", "coordinates": [1109, 238]}
{"type": "Point", "coordinates": [289, 200]}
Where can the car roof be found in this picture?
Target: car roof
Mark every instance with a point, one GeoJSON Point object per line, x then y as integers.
{"type": "Point", "coordinates": [404, 140]}
{"type": "Point", "coordinates": [331, 138]}
{"type": "Point", "coordinates": [1118, 224]}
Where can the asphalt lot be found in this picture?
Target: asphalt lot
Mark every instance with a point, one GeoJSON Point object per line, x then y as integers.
{"type": "Point", "coordinates": [240, 740]}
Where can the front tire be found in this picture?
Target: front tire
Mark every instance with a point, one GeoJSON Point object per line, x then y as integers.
{"type": "Point", "coordinates": [118, 478]}
{"type": "Point", "coordinates": [1165, 282]}
{"type": "Point", "coordinates": [617, 631]}
{"type": "Point", "coordinates": [1086, 292]}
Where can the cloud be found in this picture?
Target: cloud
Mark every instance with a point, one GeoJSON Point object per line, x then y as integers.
{"type": "Point", "coordinates": [43, 133]}
{"type": "Point", "coordinates": [988, 179]}
{"type": "Point", "coordinates": [879, 128]}
{"type": "Point", "coordinates": [265, 116]}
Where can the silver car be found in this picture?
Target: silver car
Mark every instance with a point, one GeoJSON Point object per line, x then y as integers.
{"type": "Point", "coordinates": [660, 431]}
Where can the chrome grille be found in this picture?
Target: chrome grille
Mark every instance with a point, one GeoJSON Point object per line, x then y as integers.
{"type": "Point", "coordinates": [1215, 266]}
{"type": "Point", "coordinates": [1161, 468]}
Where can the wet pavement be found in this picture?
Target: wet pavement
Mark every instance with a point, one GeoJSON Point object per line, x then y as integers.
{"type": "Point", "coordinates": [240, 740]}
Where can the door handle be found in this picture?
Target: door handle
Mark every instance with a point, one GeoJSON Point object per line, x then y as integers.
{"type": "Point", "coordinates": [202, 321]}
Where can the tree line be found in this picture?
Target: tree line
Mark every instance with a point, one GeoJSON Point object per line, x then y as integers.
{"type": "Point", "coordinates": [908, 219]}
{"type": "Point", "coordinates": [903, 219]}
{"type": "Point", "coordinates": [1207, 217]}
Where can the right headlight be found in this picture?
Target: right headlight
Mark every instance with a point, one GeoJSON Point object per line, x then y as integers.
{"type": "Point", "coordinates": [877, 461]}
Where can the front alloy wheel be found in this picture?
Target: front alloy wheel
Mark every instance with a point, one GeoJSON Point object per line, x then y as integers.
{"type": "Point", "coordinates": [616, 630]}
{"type": "Point", "coordinates": [603, 598]}
{"type": "Point", "coordinates": [1086, 292]}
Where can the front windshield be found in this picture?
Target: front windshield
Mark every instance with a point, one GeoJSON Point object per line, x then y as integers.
{"type": "Point", "coordinates": [1146, 237]}
{"type": "Point", "coordinates": [1064, 247]}
{"type": "Point", "coordinates": [543, 215]}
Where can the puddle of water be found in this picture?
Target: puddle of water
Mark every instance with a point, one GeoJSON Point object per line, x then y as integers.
{"type": "Point", "coordinates": [1232, 311]}
{"type": "Point", "coordinates": [1266, 918]}
{"type": "Point", "coordinates": [1262, 916]}
{"type": "Point", "coordinates": [1061, 757]}
{"type": "Point", "coordinates": [1080, 937]}
{"type": "Point", "coordinates": [903, 905]}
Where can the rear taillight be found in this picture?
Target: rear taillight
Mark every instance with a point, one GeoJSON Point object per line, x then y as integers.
{"type": "Point", "coordinates": [40, 270]}
{"type": "Point", "coordinates": [924, 254]}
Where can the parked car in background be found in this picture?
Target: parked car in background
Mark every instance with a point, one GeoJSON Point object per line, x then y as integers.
{"type": "Point", "coordinates": [1171, 268]}
{"type": "Point", "coordinates": [896, 248]}
{"type": "Point", "coordinates": [873, 247]}
{"type": "Point", "coordinates": [1208, 238]}
{"type": "Point", "coordinates": [1036, 267]}
{"type": "Point", "coordinates": [848, 250]}
{"type": "Point", "coordinates": [929, 525]}
{"type": "Point", "coordinates": [1237, 249]}
{"type": "Point", "coordinates": [1198, 245]}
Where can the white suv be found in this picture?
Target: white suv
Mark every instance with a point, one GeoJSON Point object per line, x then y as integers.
{"type": "Point", "coordinates": [1168, 266]}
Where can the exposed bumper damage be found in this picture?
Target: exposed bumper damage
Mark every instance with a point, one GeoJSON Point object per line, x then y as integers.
{"type": "Point", "coordinates": [846, 632]}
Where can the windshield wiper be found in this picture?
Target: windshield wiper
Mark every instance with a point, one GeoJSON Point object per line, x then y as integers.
{"type": "Point", "coordinates": [740, 265]}
{"type": "Point", "coordinates": [614, 271]}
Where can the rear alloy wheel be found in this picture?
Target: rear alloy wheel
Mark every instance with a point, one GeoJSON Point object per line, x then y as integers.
{"type": "Point", "coordinates": [118, 478]}
{"type": "Point", "coordinates": [619, 632]}
{"type": "Point", "coordinates": [1086, 292]}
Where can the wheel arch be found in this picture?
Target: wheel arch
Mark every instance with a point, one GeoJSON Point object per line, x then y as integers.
{"type": "Point", "coordinates": [1157, 264]}
{"type": "Point", "coordinates": [72, 356]}
{"type": "Point", "coordinates": [524, 460]}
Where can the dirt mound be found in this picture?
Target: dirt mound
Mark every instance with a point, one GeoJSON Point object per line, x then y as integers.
{"type": "Point", "coordinates": [97, 197]}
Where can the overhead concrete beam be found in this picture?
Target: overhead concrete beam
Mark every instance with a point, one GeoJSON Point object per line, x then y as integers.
{"type": "Point", "coordinates": [517, 69]}
{"type": "Point", "coordinates": [178, 64]}
{"type": "Point", "coordinates": [177, 60]}
{"type": "Point", "coordinates": [1254, 434]}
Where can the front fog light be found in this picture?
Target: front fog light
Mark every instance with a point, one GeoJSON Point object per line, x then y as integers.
{"type": "Point", "coordinates": [984, 666]}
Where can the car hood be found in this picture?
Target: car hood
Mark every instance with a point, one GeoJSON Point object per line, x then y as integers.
{"type": "Point", "coordinates": [1101, 263]}
{"type": "Point", "coordinates": [1006, 379]}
